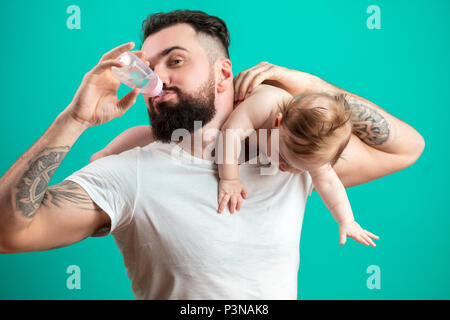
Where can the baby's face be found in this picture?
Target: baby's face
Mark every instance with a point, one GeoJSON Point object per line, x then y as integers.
{"type": "Point", "coordinates": [289, 161]}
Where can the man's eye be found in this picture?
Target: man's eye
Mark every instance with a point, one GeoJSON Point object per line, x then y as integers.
{"type": "Point", "coordinates": [175, 61]}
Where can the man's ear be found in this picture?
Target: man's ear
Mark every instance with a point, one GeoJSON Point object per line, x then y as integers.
{"type": "Point", "coordinates": [225, 75]}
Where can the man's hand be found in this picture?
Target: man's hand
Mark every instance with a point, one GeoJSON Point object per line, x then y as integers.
{"type": "Point", "coordinates": [231, 192]}
{"type": "Point", "coordinates": [96, 99]}
{"type": "Point", "coordinates": [350, 228]}
{"type": "Point", "coordinates": [293, 81]}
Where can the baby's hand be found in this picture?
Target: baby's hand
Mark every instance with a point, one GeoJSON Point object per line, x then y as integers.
{"type": "Point", "coordinates": [352, 229]}
{"type": "Point", "coordinates": [232, 192]}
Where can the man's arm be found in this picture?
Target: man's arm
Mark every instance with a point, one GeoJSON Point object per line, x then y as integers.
{"type": "Point", "coordinates": [381, 144]}
{"type": "Point", "coordinates": [66, 216]}
{"type": "Point", "coordinates": [34, 216]}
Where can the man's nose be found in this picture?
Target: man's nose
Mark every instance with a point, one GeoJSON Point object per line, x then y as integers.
{"type": "Point", "coordinates": [163, 75]}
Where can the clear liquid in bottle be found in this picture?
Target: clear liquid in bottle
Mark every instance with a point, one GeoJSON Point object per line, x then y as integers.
{"type": "Point", "coordinates": [136, 74]}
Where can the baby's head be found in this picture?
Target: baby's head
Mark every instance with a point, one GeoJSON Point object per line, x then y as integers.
{"type": "Point", "coordinates": [314, 130]}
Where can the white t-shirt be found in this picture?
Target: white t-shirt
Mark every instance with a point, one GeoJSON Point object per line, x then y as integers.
{"type": "Point", "coordinates": [163, 208]}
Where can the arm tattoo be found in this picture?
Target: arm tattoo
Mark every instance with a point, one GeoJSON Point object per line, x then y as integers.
{"type": "Point", "coordinates": [34, 182]}
{"type": "Point", "coordinates": [368, 124]}
{"type": "Point", "coordinates": [68, 192]}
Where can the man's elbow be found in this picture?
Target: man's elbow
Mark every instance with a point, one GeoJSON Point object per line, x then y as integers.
{"type": "Point", "coordinates": [5, 250]}
{"type": "Point", "coordinates": [7, 246]}
{"type": "Point", "coordinates": [416, 152]}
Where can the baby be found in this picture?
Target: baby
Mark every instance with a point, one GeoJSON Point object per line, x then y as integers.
{"type": "Point", "coordinates": [313, 131]}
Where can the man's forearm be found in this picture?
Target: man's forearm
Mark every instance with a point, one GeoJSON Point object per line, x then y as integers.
{"type": "Point", "coordinates": [373, 125]}
{"type": "Point", "coordinates": [23, 186]}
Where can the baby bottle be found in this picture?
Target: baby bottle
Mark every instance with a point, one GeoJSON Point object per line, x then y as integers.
{"type": "Point", "coordinates": [136, 74]}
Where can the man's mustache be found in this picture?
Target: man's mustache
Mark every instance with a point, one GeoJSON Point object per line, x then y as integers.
{"type": "Point", "coordinates": [165, 89]}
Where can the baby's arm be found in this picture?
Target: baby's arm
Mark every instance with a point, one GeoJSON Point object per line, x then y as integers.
{"type": "Point", "coordinates": [253, 113]}
{"type": "Point", "coordinates": [130, 138]}
{"type": "Point", "coordinates": [333, 194]}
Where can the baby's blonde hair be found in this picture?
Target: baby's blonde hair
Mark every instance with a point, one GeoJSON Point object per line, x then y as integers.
{"type": "Point", "coordinates": [319, 126]}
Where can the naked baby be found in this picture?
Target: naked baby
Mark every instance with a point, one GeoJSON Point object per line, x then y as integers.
{"type": "Point", "coordinates": [313, 130]}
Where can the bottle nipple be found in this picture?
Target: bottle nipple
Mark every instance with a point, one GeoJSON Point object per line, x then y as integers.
{"type": "Point", "coordinates": [156, 90]}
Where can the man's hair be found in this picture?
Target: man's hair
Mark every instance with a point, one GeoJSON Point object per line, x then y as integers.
{"type": "Point", "coordinates": [318, 124]}
{"type": "Point", "coordinates": [212, 31]}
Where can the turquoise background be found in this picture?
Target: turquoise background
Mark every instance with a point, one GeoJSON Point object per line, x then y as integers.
{"type": "Point", "coordinates": [404, 68]}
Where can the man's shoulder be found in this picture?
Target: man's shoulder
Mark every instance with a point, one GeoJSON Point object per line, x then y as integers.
{"type": "Point", "coordinates": [136, 152]}
{"type": "Point", "coordinates": [122, 162]}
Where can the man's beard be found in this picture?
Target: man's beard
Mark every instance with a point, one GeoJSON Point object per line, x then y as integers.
{"type": "Point", "coordinates": [168, 116]}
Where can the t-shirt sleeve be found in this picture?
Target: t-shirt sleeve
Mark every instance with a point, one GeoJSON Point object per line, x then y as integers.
{"type": "Point", "coordinates": [111, 182]}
